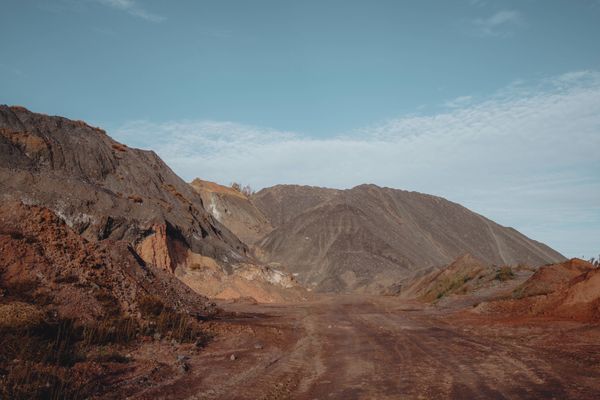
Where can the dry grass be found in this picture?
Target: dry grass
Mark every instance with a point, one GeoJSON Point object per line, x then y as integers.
{"type": "Point", "coordinates": [18, 315]}
{"type": "Point", "coordinates": [168, 323]}
{"type": "Point", "coordinates": [504, 274]}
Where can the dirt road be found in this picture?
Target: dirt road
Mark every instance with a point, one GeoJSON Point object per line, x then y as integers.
{"type": "Point", "coordinates": [383, 348]}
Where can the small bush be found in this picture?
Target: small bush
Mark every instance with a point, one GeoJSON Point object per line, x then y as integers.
{"type": "Point", "coordinates": [151, 306]}
{"type": "Point", "coordinates": [504, 274]}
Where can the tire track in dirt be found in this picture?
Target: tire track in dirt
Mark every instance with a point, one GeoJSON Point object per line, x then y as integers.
{"type": "Point", "coordinates": [356, 348]}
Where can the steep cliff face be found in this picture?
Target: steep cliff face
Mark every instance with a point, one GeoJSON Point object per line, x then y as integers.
{"type": "Point", "coordinates": [368, 237]}
{"type": "Point", "coordinates": [106, 190]}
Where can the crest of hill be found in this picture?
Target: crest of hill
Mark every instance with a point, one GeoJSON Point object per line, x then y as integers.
{"type": "Point", "coordinates": [368, 237]}
{"type": "Point", "coordinates": [212, 187]}
{"type": "Point", "coordinates": [234, 210]}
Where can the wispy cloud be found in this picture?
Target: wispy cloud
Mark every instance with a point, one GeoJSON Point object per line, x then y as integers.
{"type": "Point", "coordinates": [527, 157]}
{"type": "Point", "coordinates": [133, 8]}
{"type": "Point", "coordinates": [458, 102]}
{"type": "Point", "coordinates": [499, 24]}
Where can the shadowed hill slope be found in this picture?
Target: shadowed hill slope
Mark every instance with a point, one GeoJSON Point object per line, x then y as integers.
{"type": "Point", "coordinates": [102, 188]}
{"type": "Point", "coordinates": [367, 237]}
{"type": "Point", "coordinates": [105, 190]}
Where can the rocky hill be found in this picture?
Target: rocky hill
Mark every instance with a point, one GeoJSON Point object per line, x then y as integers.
{"type": "Point", "coordinates": [368, 237]}
{"type": "Point", "coordinates": [105, 190]}
{"type": "Point", "coordinates": [102, 188]}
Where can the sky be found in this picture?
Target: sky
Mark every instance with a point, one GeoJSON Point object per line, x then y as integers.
{"type": "Point", "coordinates": [491, 104]}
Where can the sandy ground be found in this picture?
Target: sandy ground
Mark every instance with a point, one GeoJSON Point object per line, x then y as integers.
{"type": "Point", "coordinates": [357, 347]}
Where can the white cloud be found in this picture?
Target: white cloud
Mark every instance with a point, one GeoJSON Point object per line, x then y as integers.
{"type": "Point", "coordinates": [133, 8]}
{"type": "Point", "coordinates": [499, 24]}
{"type": "Point", "coordinates": [527, 157]}
{"type": "Point", "coordinates": [458, 102]}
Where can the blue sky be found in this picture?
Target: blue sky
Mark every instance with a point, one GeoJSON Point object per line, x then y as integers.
{"type": "Point", "coordinates": [493, 104]}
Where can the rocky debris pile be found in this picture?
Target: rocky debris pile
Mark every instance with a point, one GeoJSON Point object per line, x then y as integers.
{"type": "Point", "coordinates": [568, 290]}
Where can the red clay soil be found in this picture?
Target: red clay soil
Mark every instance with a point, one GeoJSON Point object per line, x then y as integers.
{"type": "Point", "coordinates": [71, 312]}
{"type": "Point", "coordinates": [42, 256]}
{"type": "Point", "coordinates": [569, 290]}
{"type": "Point", "coordinates": [549, 278]}
{"type": "Point", "coordinates": [357, 347]}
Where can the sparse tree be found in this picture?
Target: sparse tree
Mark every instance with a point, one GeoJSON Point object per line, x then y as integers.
{"type": "Point", "coordinates": [246, 190]}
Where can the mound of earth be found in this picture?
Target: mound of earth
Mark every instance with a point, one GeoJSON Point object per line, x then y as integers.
{"type": "Point", "coordinates": [234, 210]}
{"type": "Point", "coordinates": [458, 277]}
{"type": "Point", "coordinates": [367, 238]}
{"type": "Point", "coordinates": [106, 191]}
{"type": "Point", "coordinates": [46, 262]}
{"type": "Point", "coordinates": [71, 310]}
{"type": "Point", "coordinates": [566, 290]}
{"type": "Point", "coordinates": [549, 278]}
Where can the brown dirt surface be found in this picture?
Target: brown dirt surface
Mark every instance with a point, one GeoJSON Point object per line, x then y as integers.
{"type": "Point", "coordinates": [365, 347]}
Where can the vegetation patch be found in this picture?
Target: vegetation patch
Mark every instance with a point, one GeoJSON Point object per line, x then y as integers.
{"type": "Point", "coordinates": [504, 274]}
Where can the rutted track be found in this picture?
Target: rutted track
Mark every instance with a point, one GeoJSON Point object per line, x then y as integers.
{"type": "Point", "coordinates": [380, 348]}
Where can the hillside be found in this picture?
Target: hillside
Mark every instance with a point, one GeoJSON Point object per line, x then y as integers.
{"type": "Point", "coordinates": [105, 190]}
{"type": "Point", "coordinates": [569, 290]}
{"type": "Point", "coordinates": [368, 237]}
{"type": "Point", "coordinates": [234, 210]}
{"type": "Point", "coordinates": [70, 309]}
